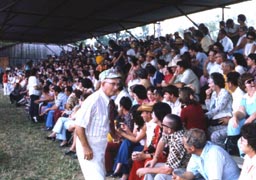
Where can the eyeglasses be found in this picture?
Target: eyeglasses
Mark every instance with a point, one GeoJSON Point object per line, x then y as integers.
{"type": "Point", "coordinates": [249, 81]}
{"type": "Point", "coordinates": [163, 125]}
{"type": "Point", "coordinates": [112, 83]}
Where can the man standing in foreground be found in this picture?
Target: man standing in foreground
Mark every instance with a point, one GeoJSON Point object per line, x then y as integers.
{"type": "Point", "coordinates": [93, 125]}
{"type": "Point", "coordinates": [210, 161]}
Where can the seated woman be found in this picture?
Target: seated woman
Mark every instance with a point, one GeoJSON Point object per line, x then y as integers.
{"type": "Point", "coordinates": [219, 105]}
{"type": "Point", "coordinates": [192, 114]}
{"type": "Point", "coordinates": [151, 94]}
{"type": "Point", "coordinates": [160, 109]}
{"type": "Point", "coordinates": [247, 110]}
{"type": "Point", "coordinates": [132, 141]}
{"type": "Point", "coordinates": [66, 122]}
{"type": "Point", "coordinates": [45, 98]}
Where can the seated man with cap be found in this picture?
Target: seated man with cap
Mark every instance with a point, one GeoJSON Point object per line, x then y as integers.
{"type": "Point", "coordinates": [93, 126]}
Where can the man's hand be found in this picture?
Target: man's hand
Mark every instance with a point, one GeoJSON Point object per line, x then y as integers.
{"type": "Point", "coordinates": [224, 120]}
{"type": "Point", "coordinates": [142, 171]}
{"type": "Point", "coordinates": [88, 154]}
{"type": "Point", "coordinates": [151, 163]}
{"type": "Point", "coordinates": [138, 156]}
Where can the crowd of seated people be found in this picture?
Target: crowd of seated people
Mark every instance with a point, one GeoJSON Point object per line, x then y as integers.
{"type": "Point", "coordinates": [209, 86]}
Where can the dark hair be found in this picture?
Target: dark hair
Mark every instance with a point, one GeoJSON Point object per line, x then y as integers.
{"type": "Point", "coordinates": [86, 83]}
{"type": "Point", "coordinates": [242, 80]}
{"type": "Point", "coordinates": [233, 77]}
{"type": "Point", "coordinates": [150, 69]}
{"type": "Point", "coordinates": [140, 91]}
{"type": "Point", "coordinates": [171, 89]}
{"type": "Point", "coordinates": [136, 116]}
{"type": "Point", "coordinates": [218, 79]}
{"type": "Point", "coordinates": [241, 17]}
{"type": "Point", "coordinates": [151, 89]}
{"type": "Point", "coordinates": [248, 131]}
{"type": "Point", "coordinates": [161, 109]}
{"type": "Point", "coordinates": [222, 31]}
{"type": "Point", "coordinates": [195, 137]}
{"type": "Point", "coordinates": [183, 64]}
{"type": "Point", "coordinates": [186, 93]}
{"type": "Point", "coordinates": [219, 45]}
{"type": "Point", "coordinates": [142, 73]}
{"type": "Point", "coordinates": [229, 21]}
{"type": "Point", "coordinates": [77, 93]}
{"type": "Point", "coordinates": [161, 62]}
{"type": "Point", "coordinates": [198, 33]}
{"type": "Point", "coordinates": [159, 91]}
{"type": "Point", "coordinates": [252, 56]}
{"type": "Point", "coordinates": [176, 50]}
{"type": "Point", "coordinates": [69, 89]}
{"type": "Point", "coordinates": [33, 71]}
{"type": "Point", "coordinates": [57, 89]}
{"type": "Point", "coordinates": [175, 122]}
{"type": "Point", "coordinates": [46, 89]}
{"type": "Point", "coordinates": [126, 102]}
{"type": "Point", "coordinates": [251, 33]}
{"type": "Point", "coordinates": [196, 47]}
{"type": "Point", "coordinates": [240, 60]}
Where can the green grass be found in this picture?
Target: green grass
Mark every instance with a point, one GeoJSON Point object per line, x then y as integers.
{"type": "Point", "coordinates": [25, 154]}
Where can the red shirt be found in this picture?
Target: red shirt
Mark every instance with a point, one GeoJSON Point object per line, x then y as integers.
{"type": "Point", "coordinates": [5, 78]}
{"type": "Point", "coordinates": [192, 116]}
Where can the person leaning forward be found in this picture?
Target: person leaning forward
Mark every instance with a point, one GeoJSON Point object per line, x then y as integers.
{"type": "Point", "coordinates": [93, 125]}
{"type": "Point", "coordinates": [208, 160]}
{"type": "Point", "coordinates": [177, 157]}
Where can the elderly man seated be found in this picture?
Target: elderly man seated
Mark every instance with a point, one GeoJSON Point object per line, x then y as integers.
{"type": "Point", "coordinates": [208, 160]}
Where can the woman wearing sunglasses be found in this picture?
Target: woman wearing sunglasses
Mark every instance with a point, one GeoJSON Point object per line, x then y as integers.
{"type": "Point", "coordinates": [246, 112]}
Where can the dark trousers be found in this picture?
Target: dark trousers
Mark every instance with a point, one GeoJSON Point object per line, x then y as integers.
{"type": "Point", "coordinates": [33, 108]}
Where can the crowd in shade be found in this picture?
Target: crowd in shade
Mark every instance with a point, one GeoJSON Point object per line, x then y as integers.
{"type": "Point", "coordinates": [183, 106]}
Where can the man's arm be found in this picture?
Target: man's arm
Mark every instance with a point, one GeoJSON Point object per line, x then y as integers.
{"type": "Point", "coordinates": [88, 153]}
{"type": "Point", "coordinates": [154, 170]}
{"type": "Point", "coordinates": [186, 176]}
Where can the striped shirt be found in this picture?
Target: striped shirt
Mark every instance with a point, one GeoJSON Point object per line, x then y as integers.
{"type": "Point", "coordinates": [93, 115]}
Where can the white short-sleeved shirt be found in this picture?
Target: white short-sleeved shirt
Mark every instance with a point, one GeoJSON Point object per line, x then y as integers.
{"type": "Point", "coordinates": [93, 115]}
{"type": "Point", "coordinates": [32, 82]}
{"type": "Point", "coordinates": [189, 77]}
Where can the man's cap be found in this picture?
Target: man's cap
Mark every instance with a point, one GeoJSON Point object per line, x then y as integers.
{"type": "Point", "coordinates": [109, 74]}
{"type": "Point", "coordinates": [146, 107]}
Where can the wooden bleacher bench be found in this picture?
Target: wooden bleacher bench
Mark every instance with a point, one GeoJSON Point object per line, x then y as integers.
{"type": "Point", "coordinates": [239, 161]}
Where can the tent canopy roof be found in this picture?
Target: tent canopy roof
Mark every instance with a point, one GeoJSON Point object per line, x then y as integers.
{"type": "Point", "coordinates": [67, 21]}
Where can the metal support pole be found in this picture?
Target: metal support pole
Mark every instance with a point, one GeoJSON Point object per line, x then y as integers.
{"type": "Point", "coordinates": [182, 12]}
{"type": "Point", "coordinates": [222, 14]}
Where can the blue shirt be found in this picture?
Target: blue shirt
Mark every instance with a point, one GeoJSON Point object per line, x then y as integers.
{"type": "Point", "coordinates": [214, 163]}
